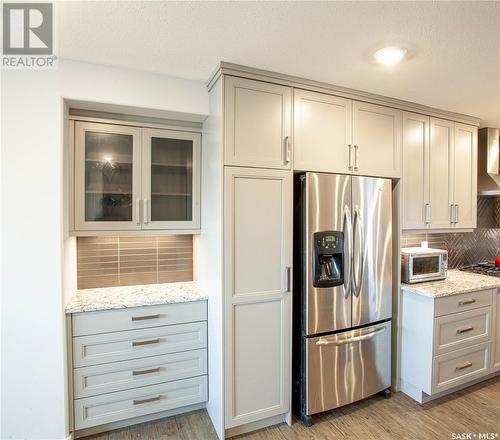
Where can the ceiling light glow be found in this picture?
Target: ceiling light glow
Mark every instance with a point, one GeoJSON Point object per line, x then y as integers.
{"type": "Point", "coordinates": [389, 56]}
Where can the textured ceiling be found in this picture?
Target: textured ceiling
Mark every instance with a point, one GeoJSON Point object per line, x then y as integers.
{"type": "Point", "coordinates": [454, 47]}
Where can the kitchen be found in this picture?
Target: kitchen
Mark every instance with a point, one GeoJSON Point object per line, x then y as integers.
{"type": "Point", "coordinates": [227, 256]}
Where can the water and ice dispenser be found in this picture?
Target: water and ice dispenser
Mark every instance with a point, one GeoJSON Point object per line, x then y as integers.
{"type": "Point", "coordinates": [328, 264]}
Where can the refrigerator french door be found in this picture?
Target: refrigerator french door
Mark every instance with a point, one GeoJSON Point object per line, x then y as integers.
{"type": "Point", "coordinates": [343, 290]}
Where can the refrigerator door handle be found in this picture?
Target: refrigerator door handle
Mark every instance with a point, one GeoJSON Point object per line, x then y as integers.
{"type": "Point", "coordinates": [335, 340]}
{"type": "Point", "coordinates": [347, 229]}
{"type": "Point", "coordinates": [358, 227]}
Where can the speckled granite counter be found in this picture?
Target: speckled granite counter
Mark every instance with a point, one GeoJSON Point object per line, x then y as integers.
{"type": "Point", "coordinates": [457, 282]}
{"type": "Point", "coordinates": [89, 300]}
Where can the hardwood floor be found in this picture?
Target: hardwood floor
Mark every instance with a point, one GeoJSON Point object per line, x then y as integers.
{"type": "Point", "coordinates": [476, 409]}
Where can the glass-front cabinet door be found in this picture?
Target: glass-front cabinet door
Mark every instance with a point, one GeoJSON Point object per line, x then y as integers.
{"type": "Point", "coordinates": [107, 177]}
{"type": "Point", "coordinates": [171, 179]}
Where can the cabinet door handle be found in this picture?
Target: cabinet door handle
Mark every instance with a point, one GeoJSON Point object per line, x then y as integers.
{"type": "Point", "coordinates": [466, 302]}
{"type": "Point", "coordinates": [151, 399]}
{"type": "Point", "coordinates": [145, 317]}
{"type": "Point", "coordinates": [288, 153]}
{"type": "Point", "coordinates": [148, 371]}
{"type": "Point", "coordinates": [349, 166]}
{"type": "Point", "coordinates": [288, 275]}
{"type": "Point", "coordinates": [457, 214]}
{"type": "Point", "coordinates": [356, 157]}
{"type": "Point", "coordinates": [428, 213]}
{"type": "Point", "coordinates": [146, 342]}
{"type": "Point", "coordinates": [463, 366]}
{"type": "Point", "coordinates": [146, 211]}
{"type": "Point", "coordinates": [138, 212]}
{"type": "Point", "coordinates": [464, 329]}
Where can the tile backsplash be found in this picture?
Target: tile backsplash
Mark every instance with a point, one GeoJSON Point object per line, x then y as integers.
{"type": "Point", "coordinates": [129, 260]}
{"type": "Point", "coordinates": [466, 248]}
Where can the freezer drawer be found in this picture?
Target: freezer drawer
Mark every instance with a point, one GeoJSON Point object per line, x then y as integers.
{"type": "Point", "coordinates": [348, 366]}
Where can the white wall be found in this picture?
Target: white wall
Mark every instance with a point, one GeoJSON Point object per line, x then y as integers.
{"type": "Point", "coordinates": [33, 401]}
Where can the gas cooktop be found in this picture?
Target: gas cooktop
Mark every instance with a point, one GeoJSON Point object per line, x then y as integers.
{"type": "Point", "coordinates": [483, 269]}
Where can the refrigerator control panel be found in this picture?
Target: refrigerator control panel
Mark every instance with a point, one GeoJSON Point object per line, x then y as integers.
{"type": "Point", "coordinates": [328, 270]}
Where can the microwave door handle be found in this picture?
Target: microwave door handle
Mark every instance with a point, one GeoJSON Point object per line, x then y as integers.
{"type": "Point", "coordinates": [347, 227]}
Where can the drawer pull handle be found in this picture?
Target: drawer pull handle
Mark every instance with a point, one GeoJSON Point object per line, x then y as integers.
{"type": "Point", "coordinates": [148, 371]}
{"type": "Point", "coordinates": [463, 366]}
{"type": "Point", "coordinates": [144, 318]}
{"type": "Point", "coordinates": [149, 400]}
{"type": "Point", "coordinates": [464, 329]}
{"type": "Point", "coordinates": [465, 302]}
{"type": "Point", "coordinates": [147, 342]}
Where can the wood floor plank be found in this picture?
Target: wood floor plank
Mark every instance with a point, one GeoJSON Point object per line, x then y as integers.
{"type": "Point", "coordinates": [475, 409]}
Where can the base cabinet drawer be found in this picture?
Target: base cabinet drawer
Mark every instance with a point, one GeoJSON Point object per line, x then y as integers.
{"type": "Point", "coordinates": [104, 321]}
{"type": "Point", "coordinates": [113, 407]}
{"type": "Point", "coordinates": [119, 376]}
{"type": "Point", "coordinates": [463, 302]}
{"type": "Point", "coordinates": [460, 366]}
{"type": "Point", "coordinates": [460, 330]}
{"type": "Point", "coordinates": [134, 344]}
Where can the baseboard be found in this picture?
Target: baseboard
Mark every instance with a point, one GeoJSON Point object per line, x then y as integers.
{"type": "Point", "coordinates": [136, 420]}
{"type": "Point", "coordinates": [421, 397]}
{"type": "Point", "coordinates": [254, 426]}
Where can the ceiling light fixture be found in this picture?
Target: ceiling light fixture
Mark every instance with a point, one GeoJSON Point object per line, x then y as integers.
{"type": "Point", "coordinates": [388, 56]}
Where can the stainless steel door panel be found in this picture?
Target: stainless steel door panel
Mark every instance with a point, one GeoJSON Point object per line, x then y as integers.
{"type": "Point", "coordinates": [372, 250]}
{"type": "Point", "coordinates": [328, 201]}
{"type": "Point", "coordinates": [346, 367]}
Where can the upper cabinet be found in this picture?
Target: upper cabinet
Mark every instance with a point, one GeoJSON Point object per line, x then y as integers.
{"type": "Point", "coordinates": [439, 173]}
{"type": "Point", "coordinates": [257, 124]}
{"type": "Point", "coordinates": [376, 136]}
{"type": "Point", "coordinates": [322, 132]}
{"type": "Point", "coordinates": [338, 135]}
{"type": "Point", "coordinates": [130, 178]}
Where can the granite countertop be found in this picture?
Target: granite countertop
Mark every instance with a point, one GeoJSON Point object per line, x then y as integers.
{"type": "Point", "coordinates": [89, 300]}
{"type": "Point", "coordinates": [457, 282]}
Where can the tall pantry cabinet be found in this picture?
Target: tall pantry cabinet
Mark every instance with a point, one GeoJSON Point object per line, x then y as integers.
{"type": "Point", "coordinates": [247, 217]}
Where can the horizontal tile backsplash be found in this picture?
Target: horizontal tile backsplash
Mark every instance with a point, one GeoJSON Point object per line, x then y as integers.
{"type": "Point", "coordinates": [466, 248]}
{"type": "Point", "coordinates": [129, 260]}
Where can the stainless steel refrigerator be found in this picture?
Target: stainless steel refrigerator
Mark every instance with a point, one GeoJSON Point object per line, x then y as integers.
{"type": "Point", "coordinates": [342, 290]}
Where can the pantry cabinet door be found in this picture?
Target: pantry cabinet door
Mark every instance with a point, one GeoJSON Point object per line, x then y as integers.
{"type": "Point", "coordinates": [415, 175]}
{"type": "Point", "coordinates": [257, 124]}
{"type": "Point", "coordinates": [107, 179]}
{"type": "Point", "coordinates": [322, 132]}
{"type": "Point", "coordinates": [258, 256]}
{"type": "Point", "coordinates": [440, 176]}
{"type": "Point", "coordinates": [465, 176]}
{"type": "Point", "coordinates": [171, 179]}
{"type": "Point", "coordinates": [376, 132]}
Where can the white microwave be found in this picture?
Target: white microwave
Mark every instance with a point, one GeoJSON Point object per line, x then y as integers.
{"type": "Point", "coordinates": [423, 264]}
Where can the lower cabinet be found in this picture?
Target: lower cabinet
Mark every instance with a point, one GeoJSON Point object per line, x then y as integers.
{"type": "Point", "coordinates": [461, 328]}
{"type": "Point", "coordinates": [257, 277]}
{"type": "Point", "coordinates": [496, 359]}
{"type": "Point", "coordinates": [129, 372]}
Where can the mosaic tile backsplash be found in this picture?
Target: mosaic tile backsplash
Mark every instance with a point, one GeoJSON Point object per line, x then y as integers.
{"type": "Point", "coordinates": [130, 260]}
{"type": "Point", "coordinates": [466, 248]}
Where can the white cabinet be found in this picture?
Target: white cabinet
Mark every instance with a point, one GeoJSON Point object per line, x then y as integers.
{"type": "Point", "coordinates": [376, 136]}
{"type": "Point", "coordinates": [439, 173]}
{"type": "Point", "coordinates": [496, 358]}
{"type": "Point", "coordinates": [257, 270]}
{"type": "Point", "coordinates": [446, 341]}
{"type": "Point", "coordinates": [322, 132]}
{"type": "Point", "coordinates": [257, 124]}
{"type": "Point", "coordinates": [133, 178]}
{"type": "Point", "coordinates": [415, 182]}
{"type": "Point", "coordinates": [339, 135]}
{"type": "Point", "coordinates": [465, 176]}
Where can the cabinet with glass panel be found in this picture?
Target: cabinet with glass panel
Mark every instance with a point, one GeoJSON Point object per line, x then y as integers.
{"type": "Point", "coordinates": [133, 178]}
